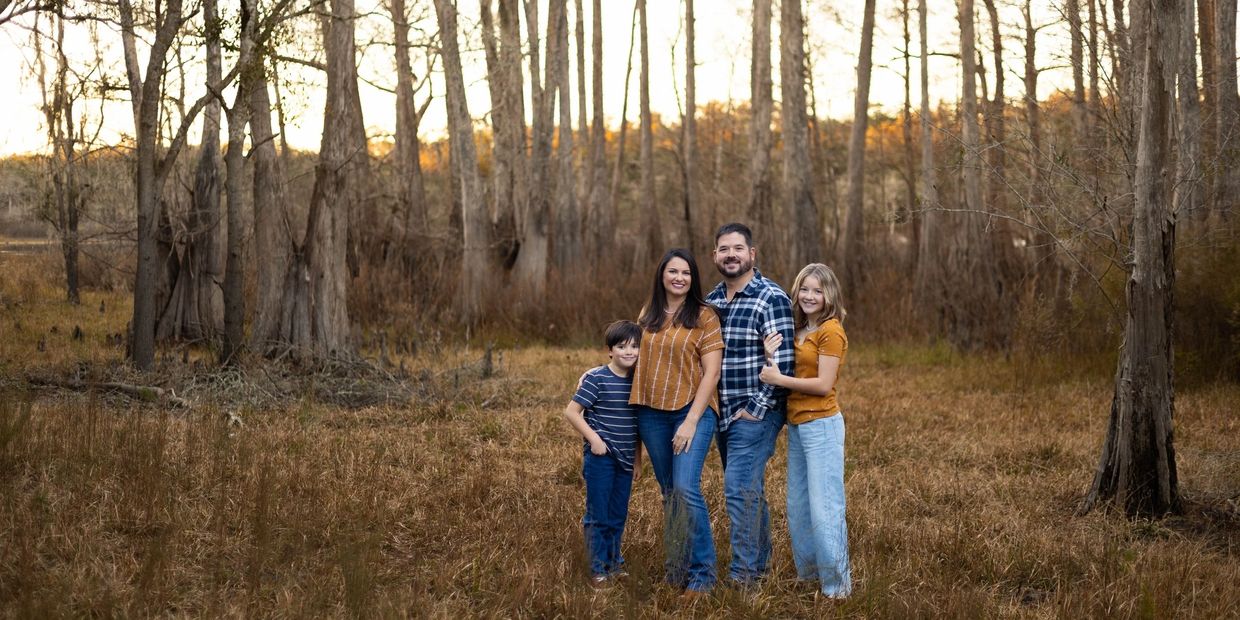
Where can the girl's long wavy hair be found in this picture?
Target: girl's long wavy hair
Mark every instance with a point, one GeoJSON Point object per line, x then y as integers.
{"type": "Point", "coordinates": [653, 315]}
{"type": "Point", "coordinates": [833, 308]}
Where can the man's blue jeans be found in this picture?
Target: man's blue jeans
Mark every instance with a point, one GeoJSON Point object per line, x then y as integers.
{"type": "Point", "coordinates": [688, 547]}
{"type": "Point", "coordinates": [745, 449]}
{"type": "Point", "coordinates": [607, 508]}
{"type": "Point", "coordinates": [816, 503]}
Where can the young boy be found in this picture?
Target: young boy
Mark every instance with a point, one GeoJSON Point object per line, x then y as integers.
{"type": "Point", "coordinates": [600, 412]}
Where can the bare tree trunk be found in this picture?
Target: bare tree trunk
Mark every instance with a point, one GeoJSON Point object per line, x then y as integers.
{"type": "Point", "coordinates": [651, 239]}
{"type": "Point", "coordinates": [1077, 60]}
{"type": "Point", "coordinates": [273, 234]}
{"type": "Point", "coordinates": [67, 197]}
{"type": "Point", "coordinates": [145, 91]}
{"type": "Point", "coordinates": [689, 125]}
{"type": "Point", "coordinates": [1189, 197]}
{"type": "Point", "coordinates": [1095, 90]}
{"type": "Point", "coordinates": [798, 168]}
{"type": "Point", "coordinates": [761, 102]}
{"type": "Point", "coordinates": [583, 125]}
{"type": "Point", "coordinates": [1137, 469]}
{"type": "Point", "coordinates": [475, 274]}
{"type": "Point", "coordinates": [1227, 112]}
{"type": "Point", "coordinates": [507, 114]}
{"type": "Point", "coordinates": [314, 317]}
{"type": "Point", "coordinates": [996, 123]}
{"type": "Point", "coordinates": [598, 212]}
{"type": "Point", "coordinates": [618, 171]}
{"type": "Point", "coordinates": [567, 239]}
{"type": "Point", "coordinates": [1209, 83]}
{"type": "Point", "coordinates": [1046, 275]}
{"type": "Point", "coordinates": [196, 307]}
{"type": "Point", "coordinates": [928, 281]}
{"type": "Point", "coordinates": [238, 117]}
{"type": "Point", "coordinates": [970, 262]}
{"type": "Point", "coordinates": [530, 270]}
{"type": "Point", "coordinates": [852, 258]}
{"type": "Point", "coordinates": [906, 127]}
{"type": "Point", "coordinates": [411, 192]}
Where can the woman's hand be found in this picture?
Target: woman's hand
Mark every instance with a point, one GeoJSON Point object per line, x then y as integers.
{"type": "Point", "coordinates": [683, 437]}
{"type": "Point", "coordinates": [771, 343]}
{"type": "Point", "coordinates": [598, 447]}
{"type": "Point", "coordinates": [770, 374]}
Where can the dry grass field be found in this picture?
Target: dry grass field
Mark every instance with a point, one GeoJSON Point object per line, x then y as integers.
{"type": "Point", "coordinates": [461, 496]}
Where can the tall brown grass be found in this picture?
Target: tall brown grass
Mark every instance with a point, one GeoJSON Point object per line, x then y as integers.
{"type": "Point", "coordinates": [962, 482]}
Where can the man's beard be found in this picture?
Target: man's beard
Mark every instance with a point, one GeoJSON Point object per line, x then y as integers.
{"type": "Point", "coordinates": [734, 267]}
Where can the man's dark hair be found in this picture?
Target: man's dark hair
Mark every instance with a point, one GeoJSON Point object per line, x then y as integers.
{"type": "Point", "coordinates": [621, 332]}
{"type": "Point", "coordinates": [735, 227]}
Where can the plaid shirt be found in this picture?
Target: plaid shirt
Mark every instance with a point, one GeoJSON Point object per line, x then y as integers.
{"type": "Point", "coordinates": [759, 309]}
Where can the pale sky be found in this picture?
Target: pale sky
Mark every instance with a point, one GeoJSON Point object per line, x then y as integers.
{"type": "Point", "coordinates": [723, 33]}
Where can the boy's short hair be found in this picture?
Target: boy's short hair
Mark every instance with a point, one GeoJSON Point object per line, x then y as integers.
{"type": "Point", "coordinates": [621, 332]}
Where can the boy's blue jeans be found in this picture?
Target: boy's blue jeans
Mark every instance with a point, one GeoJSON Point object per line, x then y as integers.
{"type": "Point", "coordinates": [688, 546]}
{"type": "Point", "coordinates": [607, 508]}
{"type": "Point", "coordinates": [816, 503]}
{"type": "Point", "coordinates": [744, 449]}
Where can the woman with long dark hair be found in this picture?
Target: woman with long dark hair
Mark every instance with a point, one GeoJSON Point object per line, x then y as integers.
{"type": "Point", "coordinates": [674, 389]}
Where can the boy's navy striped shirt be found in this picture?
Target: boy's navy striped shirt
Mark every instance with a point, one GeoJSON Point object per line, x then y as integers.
{"type": "Point", "coordinates": [605, 397]}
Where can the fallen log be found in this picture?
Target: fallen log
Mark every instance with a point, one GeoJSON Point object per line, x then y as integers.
{"type": "Point", "coordinates": [146, 393]}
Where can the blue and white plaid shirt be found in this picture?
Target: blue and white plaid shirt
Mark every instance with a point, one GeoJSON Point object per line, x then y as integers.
{"type": "Point", "coordinates": [759, 309]}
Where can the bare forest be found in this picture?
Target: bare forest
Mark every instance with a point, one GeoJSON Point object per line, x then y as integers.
{"type": "Point", "coordinates": [243, 374]}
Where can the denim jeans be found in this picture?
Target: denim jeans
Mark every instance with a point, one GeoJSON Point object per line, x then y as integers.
{"type": "Point", "coordinates": [744, 449]}
{"type": "Point", "coordinates": [607, 508]}
{"type": "Point", "coordinates": [816, 503]}
{"type": "Point", "coordinates": [688, 547]}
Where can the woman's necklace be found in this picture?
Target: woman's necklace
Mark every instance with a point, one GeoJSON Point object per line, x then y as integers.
{"type": "Point", "coordinates": [671, 310]}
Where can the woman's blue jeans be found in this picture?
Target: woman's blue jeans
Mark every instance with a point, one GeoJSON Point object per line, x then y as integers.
{"type": "Point", "coordinates": [607, 508]}
{"type": "Point", "coordinates": [816, 503]}
{"type": "Point", "coordinates": [688, 546]}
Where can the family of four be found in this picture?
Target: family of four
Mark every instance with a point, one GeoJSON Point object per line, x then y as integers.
{"type": "Point", "coordinates": [734, 364]}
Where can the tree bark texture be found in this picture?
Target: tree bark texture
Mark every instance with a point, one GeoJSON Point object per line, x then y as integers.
{"type": "Point", "coordinates": [928, 281]}
{"type": "Point", "coordinates": [475, 274]}
{"type": "Point", "coordinates": [1077, 59]}
{"type": "Point", "coordinates": [798, 168]}
{"type": "Point", "coordinates": [411, 187]}
{"type": "Point", "coordinates": [651, 239]}
{"type": "Point", "coordinates": [906, 134]}
{"type": "Point", "coordinates": [273, 232]}
{"type": "Point", "coordinates": [314, 319]}
{"type": "Point", "coordinates": [852, 251]}
{"type": "Point", "coordinates": [689, 126]}
{"type": "Point", "coordinates": [145, 90]}
{"type": "Point", "coordinates": [1227, 111]}
{"type": "Point", "coordinates": [1137, 471]}
{"type": "Point", "coordinates": [508, 156]}
{"type": "Point", "coordinates": [996, 122]}
{"type": "Point", "coordinates": [762, 104]}
{"type": "Point", "coordinates": [566, 242]}
{"type": "Point", "coordinates": [238, 117]}
{"type": "Point", "coordinates": [973, 293]}
{"type": "Point", "coordinates": [67, 198]}
{"type": "Point", "coordinates": [195, 309]}
{"type": "Point", "coordinates": [617, 173]}
{"type": "Point", "coordinates": [1189, 194]}
{"type": "Point", "coordinates": [598, 224]}
{"type": "Point", "coordinates": [530, 270]}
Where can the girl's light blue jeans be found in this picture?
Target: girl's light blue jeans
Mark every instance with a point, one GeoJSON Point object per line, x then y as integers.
{"type": "Point", "coordinates": [816, 503]}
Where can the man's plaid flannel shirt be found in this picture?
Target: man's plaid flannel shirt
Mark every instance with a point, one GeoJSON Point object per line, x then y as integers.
{"type": "Point", "coordinates": [759, 309]}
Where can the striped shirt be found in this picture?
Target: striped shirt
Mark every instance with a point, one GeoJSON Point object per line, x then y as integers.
{"type": "Point", "coordinates": [759, 309]}
{"type": "Point", "coordinates": [605, 397]}
{"type": "Point", "coordinates": [670, 367]}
